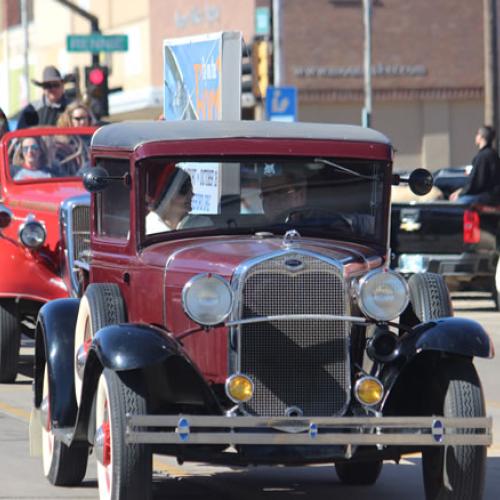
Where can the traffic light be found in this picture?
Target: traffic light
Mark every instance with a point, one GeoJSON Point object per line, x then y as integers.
{"type": "Point", "coordinates": [246, 69]}
{"type": "Point", "coordinates": [96, 83]}
{"type": "Point", "coordinates": [261, 66]}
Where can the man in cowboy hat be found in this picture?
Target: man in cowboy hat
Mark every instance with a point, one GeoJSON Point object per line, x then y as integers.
{"type": "Point", "coordinates": [46, 110]}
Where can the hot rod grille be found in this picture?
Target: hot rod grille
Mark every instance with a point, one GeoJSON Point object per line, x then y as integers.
{"type": "Point", "coordinates": [81, 232]}
{"type": "Point", "coordinates": [295, 363]}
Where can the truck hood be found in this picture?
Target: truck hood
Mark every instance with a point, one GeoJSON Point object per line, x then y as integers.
{"type": "Point", "coordinates": [223, 255]}
{"type": "Point", "coordinates": [42, 197]}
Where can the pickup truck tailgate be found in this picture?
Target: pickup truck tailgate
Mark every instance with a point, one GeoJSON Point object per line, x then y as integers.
{"type": "Point", "coordinates": [434, 228]}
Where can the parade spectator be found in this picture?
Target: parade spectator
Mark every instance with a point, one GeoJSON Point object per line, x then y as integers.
{"type": "Point", "coordinates": [76, 114]}
{"type": "Point", "coordinates": [30, 160]}
{"type": "Point", "coordinates": [4, 123]}
{"type": "Point", "coordinates": [483, 185]}
{"type": "Point", "coordinates": [45, 111]}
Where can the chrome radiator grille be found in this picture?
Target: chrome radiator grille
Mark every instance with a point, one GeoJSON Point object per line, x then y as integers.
{"type": "Point", "coordinates": [300, 364]}
{"type": "Point", "coordinates": [75, 236]}
{"type": "Point", "coordinates": [81, 232]}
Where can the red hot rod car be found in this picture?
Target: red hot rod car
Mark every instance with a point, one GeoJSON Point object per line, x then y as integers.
{"type": "Point", "coordinates": [41, 199]}
{"type": "Point", "coordinates": [240, 310]}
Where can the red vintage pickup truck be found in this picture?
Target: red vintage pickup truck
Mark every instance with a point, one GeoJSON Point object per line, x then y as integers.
{"type": "Point", "coordinates": [41, 199]}
{"type": "Point", "coordinates": [240, 309]}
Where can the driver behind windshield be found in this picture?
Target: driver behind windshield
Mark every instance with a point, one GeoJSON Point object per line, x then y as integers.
{"type": "Point", "coordinates": [282, 191]}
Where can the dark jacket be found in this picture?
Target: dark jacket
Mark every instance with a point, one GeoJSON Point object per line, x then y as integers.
{"type": "Point", "coordinates": [485, 174]}
{"type": "Point", "coordinates": [41, 113]}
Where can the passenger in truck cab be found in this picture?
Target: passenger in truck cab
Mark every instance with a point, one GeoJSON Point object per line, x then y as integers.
{"type": "Point", "coordinates": [171, 209]}
{"type": "Point", "coordinates": [30, 160]}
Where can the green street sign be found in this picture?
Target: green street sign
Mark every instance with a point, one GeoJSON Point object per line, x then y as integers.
{"type": "Point", "coordinates": [262, 21]}
{"type": "Point", "coordinates": [97, 43]}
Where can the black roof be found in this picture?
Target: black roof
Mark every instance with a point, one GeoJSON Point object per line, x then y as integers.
{"type": "Point", "coordinates": [131, 134]}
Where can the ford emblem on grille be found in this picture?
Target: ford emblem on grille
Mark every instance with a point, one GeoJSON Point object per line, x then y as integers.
{"type": "Point", "coordinates": [294, 264]}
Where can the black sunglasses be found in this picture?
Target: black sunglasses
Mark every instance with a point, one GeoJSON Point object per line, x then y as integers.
{"type": "Point", "coordinates": [51, 85]}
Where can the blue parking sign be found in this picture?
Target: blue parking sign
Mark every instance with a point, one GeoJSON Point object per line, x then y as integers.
{"type": "Point", "coordinates": [281, 104]}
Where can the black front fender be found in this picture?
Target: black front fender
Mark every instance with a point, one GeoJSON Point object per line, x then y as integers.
{"type": "Point", "coordinates": [458, 336]}
{"type": "Point", "coordinates": [420, 353]}
{"type": "Point", "coordinates": [156, 356]}
{"type": "Point", "coordinates": [132, 346]}
{"type": "Point", "coordinates": [54, 345]}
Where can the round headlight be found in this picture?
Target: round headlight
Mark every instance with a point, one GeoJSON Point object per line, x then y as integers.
{"type": "Point", "coordinates": [207, 299]}
{"type": "Point", "coordinates": [32, 234]}
{"type": "Point", "coordinates": [383, 295]}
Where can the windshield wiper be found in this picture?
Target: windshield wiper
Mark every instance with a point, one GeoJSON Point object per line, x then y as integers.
{"type": "Point", "coordinates": [344, 169]}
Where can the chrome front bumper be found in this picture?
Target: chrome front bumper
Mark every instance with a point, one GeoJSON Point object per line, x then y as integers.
{"type": "Point", "coordinates": [382, 431]}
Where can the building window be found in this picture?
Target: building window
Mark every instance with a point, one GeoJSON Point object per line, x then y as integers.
{"type": "Point", "coordinates": [12, 13]}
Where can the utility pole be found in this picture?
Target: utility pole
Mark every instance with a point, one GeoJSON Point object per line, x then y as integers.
{"type": "Point", "coordinates": [24, 22]}
{"type": "Point", "coordinates": [367, 63]}
{"type": "Point", "coordinates": [490, 63]}
{"type": "Point", "coordinates": [276, 13]}
{"type": "Point", "coordinates": [94, 23]}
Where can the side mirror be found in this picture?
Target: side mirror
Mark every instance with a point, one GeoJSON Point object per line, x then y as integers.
{"type": "Point", "coordinates": [95, 179]}
{"type": "Point", "coordinates": [420, 181]}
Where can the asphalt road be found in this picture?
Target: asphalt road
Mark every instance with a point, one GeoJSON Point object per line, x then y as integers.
{"type": "Point", "coordinates": [21, 476]}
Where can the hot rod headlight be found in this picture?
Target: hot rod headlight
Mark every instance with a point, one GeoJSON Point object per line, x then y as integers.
{"type": "Point", "coordinates": [32, 234]}
{"type": "Point", "coordinates": [207, 299]}
{"type": "Point", "coordinates": [383, 295]}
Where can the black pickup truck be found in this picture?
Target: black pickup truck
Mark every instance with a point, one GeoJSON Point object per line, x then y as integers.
{"type": "Point", "coordinates": [458, 241]}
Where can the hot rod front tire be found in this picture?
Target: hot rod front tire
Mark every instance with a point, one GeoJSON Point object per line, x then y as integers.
{"type": "Point", "coordinates": [101, 305]}
{"type": "Point", "coordinates": [359, 473]}
{"type": "Point", "coordinates": [10, 338]}
{"type": "Point", "coordinates": [429, 299]}
{"type": "Point", "coordinates": [459, 393]}
{"type": "Point", "coordinates": [62, 466]}
{"type": "Point", "coordinates": [124, 471]}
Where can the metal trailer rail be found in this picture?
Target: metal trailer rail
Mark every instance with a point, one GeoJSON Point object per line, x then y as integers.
{"type": "Point", "coordinates": [382, 431]}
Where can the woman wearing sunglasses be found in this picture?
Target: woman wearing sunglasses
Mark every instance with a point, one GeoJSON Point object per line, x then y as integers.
{"type": "Point", "coordinates": [30, 160]}
{"type": "Point", "coordinates": [76, 114]}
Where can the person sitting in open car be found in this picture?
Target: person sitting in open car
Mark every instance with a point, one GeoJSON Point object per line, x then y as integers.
{"type": "Point", "coordinates": [30, 160]}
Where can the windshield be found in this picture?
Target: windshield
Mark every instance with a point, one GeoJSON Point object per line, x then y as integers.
{"type": "Point", "coordinates": [323, 197]}
{"type": "Point", "coordinates": [48, 156]}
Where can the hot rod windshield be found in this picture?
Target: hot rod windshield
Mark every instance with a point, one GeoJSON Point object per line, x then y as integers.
{"type": "Point", "coordinates": [49, 156]}
{"type": "Point", "coordinates": [324, 197]}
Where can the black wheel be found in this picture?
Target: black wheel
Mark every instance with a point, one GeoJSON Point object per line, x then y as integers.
{"type": "Point", "coordinates": [359, 473]}
{"type": "Point", "coordinates": [458, 394]}
{"type": "Point", "coordinates": [124, 471]}
{"type": "Point", "coordinates": [10, 337]}
{"type": "Point", "coordinates": [62, 466]}
{"type": "Point", "coordinates": [101, 305]}
{"type": "Point", "coordinates": [429, 299]}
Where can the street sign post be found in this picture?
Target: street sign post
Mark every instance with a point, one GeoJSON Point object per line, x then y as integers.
{"type": "Point", "coordinates": [281, 104]}
{"type": "Point", "coordinates": [96, 42]}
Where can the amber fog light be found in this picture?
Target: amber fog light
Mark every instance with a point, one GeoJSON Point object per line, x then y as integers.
{"type": "Point", "coordinates": [239, 388]}
{"type": "Point", "coordinates": [369, 391]}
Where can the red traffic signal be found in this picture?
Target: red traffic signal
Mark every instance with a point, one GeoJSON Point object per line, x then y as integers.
{"type": "Point", "coordinates": [96, 76]}
{"type": "Point", "coordinates": [96, 83]}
